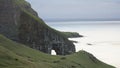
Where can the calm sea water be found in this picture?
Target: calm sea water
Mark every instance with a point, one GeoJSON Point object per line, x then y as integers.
{"type": "Point", "coordinates": [104, 37]}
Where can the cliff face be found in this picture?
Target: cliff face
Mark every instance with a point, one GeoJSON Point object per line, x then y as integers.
{"type": "Point", "coordinates": [19, 22]}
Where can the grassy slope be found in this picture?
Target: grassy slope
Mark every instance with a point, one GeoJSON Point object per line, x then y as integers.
{"type": "Point", "coordinates": [15, 55]}
{"type": "Point", "coordinates": [22, 3]}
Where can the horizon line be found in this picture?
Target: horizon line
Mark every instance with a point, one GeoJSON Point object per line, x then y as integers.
{"type": "Point", "coordinates": [67, 20]}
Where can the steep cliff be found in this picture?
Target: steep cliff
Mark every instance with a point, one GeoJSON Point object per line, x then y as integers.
{"type": "Point", "coordinates": [19, 22]}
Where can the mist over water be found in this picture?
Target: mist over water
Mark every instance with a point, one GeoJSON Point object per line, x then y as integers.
{"type": "Point", "coordinates": [103, 37]}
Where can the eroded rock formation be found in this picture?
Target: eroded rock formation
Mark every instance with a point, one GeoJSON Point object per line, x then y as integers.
{"type": "Point", "coordinates": [19, 22]}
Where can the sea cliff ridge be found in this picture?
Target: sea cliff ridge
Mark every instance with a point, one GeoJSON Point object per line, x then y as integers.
{"type": "Point", "coordinates": [19, 22]}
{"type": "Point", "coordinates": [26, 41]}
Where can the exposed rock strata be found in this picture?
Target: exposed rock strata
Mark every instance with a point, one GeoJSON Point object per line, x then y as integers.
{"type": "Point", "coordinates": [19, 22]}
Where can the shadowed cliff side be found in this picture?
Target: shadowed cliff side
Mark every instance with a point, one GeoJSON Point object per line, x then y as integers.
{"type": "Point", "coordinates": [19, 22]}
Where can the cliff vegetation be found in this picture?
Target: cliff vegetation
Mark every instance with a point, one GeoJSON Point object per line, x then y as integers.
{"type": "Point", "coordinates": [26, 41]}
{"type": "Point", "coordinates": [20, 23]}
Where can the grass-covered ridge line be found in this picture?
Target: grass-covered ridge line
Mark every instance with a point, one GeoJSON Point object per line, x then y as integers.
{"type": "Point", "coordinates": [40, 21]}
{"type": "Point", "coordinates": [16, 55]}
{"type": "Point", "coordinates": [22, 3]}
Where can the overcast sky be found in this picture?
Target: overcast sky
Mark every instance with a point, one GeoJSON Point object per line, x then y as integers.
{"type": "Point", "coordinates": [76, 9]}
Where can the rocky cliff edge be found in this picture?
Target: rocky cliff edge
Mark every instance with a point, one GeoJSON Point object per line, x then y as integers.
{"type": "Point", "coordinates": [20, 23]}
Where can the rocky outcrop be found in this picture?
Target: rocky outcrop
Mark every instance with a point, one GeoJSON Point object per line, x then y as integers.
{"type": "Point", "coordinates": [72, 34]}
{"type": "Point", "coordinates": [19, 22]}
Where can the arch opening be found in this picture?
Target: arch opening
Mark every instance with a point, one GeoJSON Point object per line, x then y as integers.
{"type": "Point", "coordinates": [53, 52]}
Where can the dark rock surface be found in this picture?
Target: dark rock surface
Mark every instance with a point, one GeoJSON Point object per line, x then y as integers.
{"type": "Point", "coordinates": [72, 34]}
{"type": "Point", "coordinates": [19, 22]}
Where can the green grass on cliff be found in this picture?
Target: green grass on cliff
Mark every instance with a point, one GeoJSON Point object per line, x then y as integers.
{"type": "Point", "coordinates": [20, 2]}
{"type": "Point", "coordinates": [23, 3]}
{"type": "Point", "coordinates": [22, 6]}
{"type": "Point", "coordinates": [15, 55]}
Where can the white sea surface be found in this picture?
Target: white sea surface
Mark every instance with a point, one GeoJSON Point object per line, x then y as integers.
{"type": "Point", "coordinates": [104, 37]}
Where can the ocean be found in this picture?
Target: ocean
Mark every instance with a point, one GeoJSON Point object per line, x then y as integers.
{"type": "Point", "coordinates": [101, 38]}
